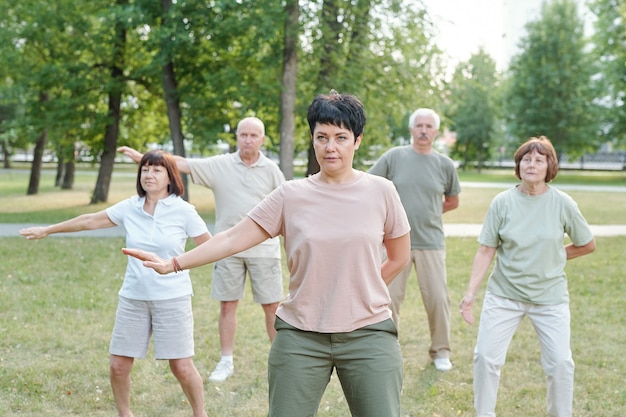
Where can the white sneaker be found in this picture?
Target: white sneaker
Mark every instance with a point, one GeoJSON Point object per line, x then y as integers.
{"type": "Point", "coordinates": [442, 364]}
{"type": "Point", "coordinates": [222, 372]}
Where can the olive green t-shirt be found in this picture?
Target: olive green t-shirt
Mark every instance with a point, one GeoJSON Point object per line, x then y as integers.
{"type": "Point", "coordinates": [422, 180]}
{"type": "Point", "coordinates": [528, 232]}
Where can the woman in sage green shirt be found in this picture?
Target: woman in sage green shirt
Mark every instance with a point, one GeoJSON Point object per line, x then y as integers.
{"type": "Point", "coordinates": [525, 227]}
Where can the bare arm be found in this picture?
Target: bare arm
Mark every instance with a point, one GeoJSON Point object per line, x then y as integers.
{"type": "Point", "coordinates": [398, 254]}
{"type": "Point", "coordinates": [135, 155]}
{"type": "Point", "coordinates": [242, 236]}
{"type": "Point", "coordinates": [480, 266]}
{"type": "Point", "coordinates": [182, 164]}
{"type": "Point", "coordinates": [90, 221]}
{"type": "Point", "coordinates": [199, 240]}
{"type": "Point", "coordinates": [575, 251]}
{"type": "Point", "coordinates": [450, 202]}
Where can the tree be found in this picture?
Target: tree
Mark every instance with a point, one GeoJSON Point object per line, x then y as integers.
{"type": "Point", "coordinates": [609, 52]}
{"type": "Point", "coordinates": [473, 108]}
{"type": "Point", "coordinates": [115, 66]}
{"type": "Point", "coordinates": [170, 91]}
{"type": "Point", "coordinates": [288, 90]}
{"type": "Point", "coordinates": [550, 91]}
{"type": "Point", "coordinates": [106, 66]}
{"type": "Point", "coordinates": [382, 51]}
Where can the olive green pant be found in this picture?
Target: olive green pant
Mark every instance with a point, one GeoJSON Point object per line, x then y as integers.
{"type": "Point", "coordinates": [368, 363]}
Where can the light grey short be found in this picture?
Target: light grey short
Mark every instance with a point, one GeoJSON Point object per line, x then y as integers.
{"type": "Point", "coordinates": [266, 279]}
{"type": "Point", "coordinates": [169, 321]}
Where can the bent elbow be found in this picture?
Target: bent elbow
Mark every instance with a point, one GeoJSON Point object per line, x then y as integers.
{"type": "Point", "coordinates": [591, 246]}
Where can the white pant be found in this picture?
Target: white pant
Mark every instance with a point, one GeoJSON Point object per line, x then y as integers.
{"type": "Point", "coordinates": [499, 320]}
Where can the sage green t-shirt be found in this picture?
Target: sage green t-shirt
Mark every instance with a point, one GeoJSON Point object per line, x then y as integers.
{"type": "Point", "coordinates": [528, 232]}
{"type": "Point", "coordinates": [422, 180]}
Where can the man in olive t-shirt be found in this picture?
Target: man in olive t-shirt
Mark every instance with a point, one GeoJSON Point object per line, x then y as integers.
{"type": "Point", "coordinates": [428, 185]}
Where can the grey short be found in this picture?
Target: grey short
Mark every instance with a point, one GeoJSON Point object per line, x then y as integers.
{"type": "Point", "coordinates": [266, 279]}
{"type": "Point", "coordinates": [170, 321]}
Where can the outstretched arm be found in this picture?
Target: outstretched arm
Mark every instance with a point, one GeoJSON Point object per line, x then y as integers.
{"type": "Point", "coordinates": [482, 260]}
{"type": "Point", "coordinates": [242, 236]}
{"type": "Point", "coordinates": [398, 254]}
{"type": "Point", "coordinates": [135, 155]}
{"type": "Point", "coordinates": [90, 221]}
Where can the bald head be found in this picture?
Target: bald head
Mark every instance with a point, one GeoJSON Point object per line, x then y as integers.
{"type": "Point", "coordinates": [251, 122]}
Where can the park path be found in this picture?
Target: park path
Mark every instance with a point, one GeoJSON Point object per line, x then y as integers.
{"type": "Point", "coordinates": [450, 229]}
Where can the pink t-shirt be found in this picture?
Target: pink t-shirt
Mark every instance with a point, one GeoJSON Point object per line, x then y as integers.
{"type": "Point", "coordinates": [333, 237]}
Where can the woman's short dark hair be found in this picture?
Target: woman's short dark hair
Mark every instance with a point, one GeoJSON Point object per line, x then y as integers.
{"type": "Point", "coordinates": [341, 110]}
{"type": "Point", "coordinates": [163, 159]}
{"type": "Point", "coordinates": [543, 146]}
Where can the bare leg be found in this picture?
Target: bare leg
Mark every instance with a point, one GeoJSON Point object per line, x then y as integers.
{"type": "Point", "coordinates": [191, 383]}
{"type": "Point", "coordinates": [270, 317]}
{"type": "Point", "coordinates": [228, 326]}
{"type": "Point", "coordinates": [119, 369]}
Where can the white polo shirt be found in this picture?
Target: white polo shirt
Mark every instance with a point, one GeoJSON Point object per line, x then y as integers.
{"type": "Point", "coordinates": [164, 233]}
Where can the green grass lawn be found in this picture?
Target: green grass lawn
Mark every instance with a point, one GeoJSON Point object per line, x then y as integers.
{"type": "Point", "coordinates": [59, 297]}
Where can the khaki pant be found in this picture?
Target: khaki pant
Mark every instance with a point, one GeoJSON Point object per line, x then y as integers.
{"type": "Point", "coordinates": [368, 363]}
{"type": "Point", "coordinates": [499, 320]}
{"type": "Point", "coordinates": [430, 266]}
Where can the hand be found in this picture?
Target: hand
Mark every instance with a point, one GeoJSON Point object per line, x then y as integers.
{"type": "Point", "coordinates": [465, 308]}
{"type": "Point", "coordinates": [131, 153]}
{"type": "Point", "coordinates": [150, 260]}
{"type": "Point", "coordinates": [32, 233]}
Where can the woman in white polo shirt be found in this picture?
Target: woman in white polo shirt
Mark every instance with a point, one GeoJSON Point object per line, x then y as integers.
{"type": "Point", "coordinates": [158, 220]}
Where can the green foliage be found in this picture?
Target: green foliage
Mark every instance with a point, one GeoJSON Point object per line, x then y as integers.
{"type": "Point", "coordinates": [609, 52]}
{"type": "Point", "coordinates": [550, 88]}
{"type": "Point", "coordinates": [227, 57]}
{"type": "Point", "coordinates": [473, 108]}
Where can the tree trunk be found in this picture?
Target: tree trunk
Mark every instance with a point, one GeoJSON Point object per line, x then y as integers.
{"type": "Point", "coordinates": [172, 100]}
{"type": "Point", "coordinates": [107, 158]}
{"type": "Point", "coordinates": [58, 178]}
{"type": "Point", "coordinates": [68, 177]}
{"type": "Point", "coordinates": [6, 155]}
{"type": "Point", "coordinates": [35, 168]}
{"type": "Point", "coordinates": [331, 29]}
{"type": "Point", "coordinates": [112, 130]}
{"type": "Point", "coordinates": [40, 146]}
{"type": "Point", "coordinates": [288, 91]}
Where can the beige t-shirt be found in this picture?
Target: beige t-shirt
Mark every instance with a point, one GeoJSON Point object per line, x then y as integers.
{"type": "Point", "coordinates": [237, 189]}
{"type": "Point", "coordinates": [333, 237]}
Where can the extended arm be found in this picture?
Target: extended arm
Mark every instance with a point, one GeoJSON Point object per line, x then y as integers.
{"type": "Point", "coordinates": [242, 236]}
{"type": "Point", "coordinates": [482, 260]}
{"type": "Point", "coordinates": [135, 155]}
{"type": "Point", "coordinates": [398, 254]}
{"type": "Point", "coordinates": [90, 221]}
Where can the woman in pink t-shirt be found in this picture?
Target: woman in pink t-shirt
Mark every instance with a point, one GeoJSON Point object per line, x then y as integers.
{"type": "Point", "coordinates": [335, 225]}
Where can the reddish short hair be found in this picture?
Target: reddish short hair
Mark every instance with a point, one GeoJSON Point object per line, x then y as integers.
{"type": "Point", "coordinates": [164, 159]}
{"type": "Point", "coordinates": [543, 146]}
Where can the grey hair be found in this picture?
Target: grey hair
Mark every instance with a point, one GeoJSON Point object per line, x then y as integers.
{"type": "Point", "coordinates": [424, 112]}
